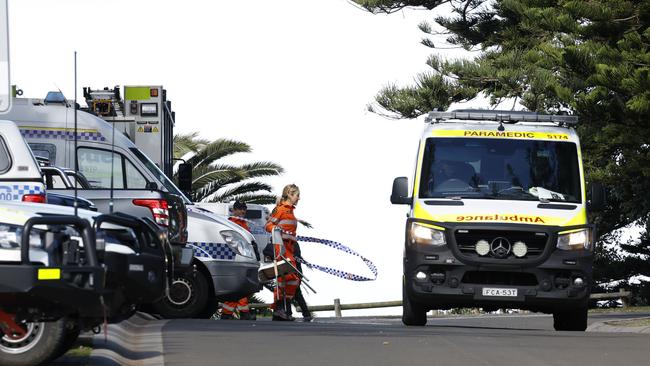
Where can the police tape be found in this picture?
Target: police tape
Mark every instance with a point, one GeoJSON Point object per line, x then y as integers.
{"type": "Point", "coordinates": [255, 228]}
{"type": "Point", "coordinates": [335, 272]}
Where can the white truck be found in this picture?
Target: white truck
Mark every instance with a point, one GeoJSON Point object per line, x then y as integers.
{"type": "Point", "coordinates": [141, 189]}
{"type": "Point", "coordinates": [498, 217]}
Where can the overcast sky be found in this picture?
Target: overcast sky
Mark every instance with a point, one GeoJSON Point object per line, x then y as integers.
{"type": "Point", "coordinates": [291, 78]}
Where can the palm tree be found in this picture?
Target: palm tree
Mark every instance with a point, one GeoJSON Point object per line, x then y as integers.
{"type": "Point", "coordinates": [213, 181]}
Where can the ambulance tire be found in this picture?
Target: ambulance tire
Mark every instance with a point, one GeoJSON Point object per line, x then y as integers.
{"type": "Point", "coordinates": [39, 346]}
{"type": "Point", "coordinates": [574, 320]}
{"type": "Point", "coordinates": [189, 296]}
{"type": "Point", "coordinates": [412, 312]}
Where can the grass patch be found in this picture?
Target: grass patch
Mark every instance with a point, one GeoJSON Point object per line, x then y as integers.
{"type": "Point", "coordinates": [645, 322]}
{"type": "Point", "coordinates": [629, 309]}
{"type": "Point", "coordinates": [80, 351]}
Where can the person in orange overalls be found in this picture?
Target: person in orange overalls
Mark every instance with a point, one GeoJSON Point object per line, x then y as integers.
{"type": "Point", "coordinates": [229, 307]}
{"type": "Point", "coordinates": [282, 216]}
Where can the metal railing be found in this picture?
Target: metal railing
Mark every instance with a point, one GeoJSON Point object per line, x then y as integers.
{"type": "Point", "coordinates": [337, 307]}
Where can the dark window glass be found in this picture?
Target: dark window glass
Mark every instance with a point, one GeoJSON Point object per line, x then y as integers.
{"type": "Point", "coordinates": [5, 159]}
{"type": "Point", "coordinates": [500, 169]}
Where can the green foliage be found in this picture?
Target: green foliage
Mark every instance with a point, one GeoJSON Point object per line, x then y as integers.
{"type": "Point", "coordinates": [217, 182]}
{"type": "Point", "coordinates": [590, 58]}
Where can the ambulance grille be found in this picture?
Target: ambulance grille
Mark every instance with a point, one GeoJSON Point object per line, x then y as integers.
{"type": "Point", "coordinates": [466, 242]}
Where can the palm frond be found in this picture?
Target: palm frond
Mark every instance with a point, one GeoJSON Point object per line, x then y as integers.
{"type": "Point", "coordinates": [242, 188]}
{"type": "Point", "coordinates": [206, 175]}
{"type": "Point", "coordinates": [260, 199]}
{"type": "Point", "coordinates": [217, 150]}
{"type": "Point", "coordinates": [188, 142]}
{"type": "Point", "coordinates": [262, 169]}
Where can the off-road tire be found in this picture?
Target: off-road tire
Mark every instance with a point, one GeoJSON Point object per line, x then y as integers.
{"type": "Point", "coordinates": [42, 345]}
{"type": "Point", "coordinates": [571, 320]}
{"type": "Point", "coordinates": [189, 298]}
{"type": "Point", "coordinates": [72, 332]}
{"type": "Point", "coordinates": [412, 312]}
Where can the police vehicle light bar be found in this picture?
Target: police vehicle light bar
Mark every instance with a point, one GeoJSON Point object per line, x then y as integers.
{"type": "Point", "coordinates": [500, 116]}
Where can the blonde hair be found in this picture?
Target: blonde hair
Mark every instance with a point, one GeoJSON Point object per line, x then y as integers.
{"type": "Point", "coordinates": [286, 191]}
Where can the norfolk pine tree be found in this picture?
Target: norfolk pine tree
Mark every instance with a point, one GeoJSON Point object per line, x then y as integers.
{"type": "Point", "coordinates": [589, 58]}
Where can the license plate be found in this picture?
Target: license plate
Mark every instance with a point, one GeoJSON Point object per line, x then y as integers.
{"type": "Point", "coordinates": [500, 292]}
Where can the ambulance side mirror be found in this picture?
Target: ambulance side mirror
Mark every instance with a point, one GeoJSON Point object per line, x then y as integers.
{"type": "Point", "coordinates": [185, 178]}
{"type": "Point", "coordinates": [598, 197]}
{"type": "Point", "coordinates": [400, 192]}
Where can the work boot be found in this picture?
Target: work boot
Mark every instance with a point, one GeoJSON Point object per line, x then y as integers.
{"type": "Point", "coordinates": [280, 314]}
{"type": "Point", "coordinates": [227, 317]}
{"type": "Point", "coordinates": [244, 315]}
{"type": "Point", "coordinates": [307, 317]}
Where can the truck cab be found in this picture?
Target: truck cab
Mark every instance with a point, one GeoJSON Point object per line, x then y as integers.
{"type": "Point", "coordinates": [497, 217]}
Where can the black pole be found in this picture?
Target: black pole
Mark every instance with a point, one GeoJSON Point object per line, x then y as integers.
{"type": "Point", "coordinates": [76, 163]}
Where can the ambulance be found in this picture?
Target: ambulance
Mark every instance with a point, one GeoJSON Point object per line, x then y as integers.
{"type": "Point", "coordinates": [498, 217]}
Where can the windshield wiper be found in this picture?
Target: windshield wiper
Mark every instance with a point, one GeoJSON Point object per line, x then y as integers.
{"type": "Point", "coordinates": [517, 192]}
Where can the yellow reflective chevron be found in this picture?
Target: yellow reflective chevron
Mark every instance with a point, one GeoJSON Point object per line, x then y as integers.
{"type": "Point", "coordinates": [502, 134]}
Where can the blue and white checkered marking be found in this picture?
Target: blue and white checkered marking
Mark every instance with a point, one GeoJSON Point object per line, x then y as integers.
{"type": "Point", "coordinates": [212, 251]}
{"type": "Point", "coordinates": [22, 189]}
{"type": "Point", "coordinates": [67, 134]}
{"type": "Point", "coordinates": [336, 272]}
{"type": "Point", "coordinates": [15, 192]}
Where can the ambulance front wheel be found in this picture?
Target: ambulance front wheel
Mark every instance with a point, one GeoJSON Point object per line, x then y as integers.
{"type": "Point", "coordinates": [412, 312]}
{"type": "Point", "coordinates": [188, 296]}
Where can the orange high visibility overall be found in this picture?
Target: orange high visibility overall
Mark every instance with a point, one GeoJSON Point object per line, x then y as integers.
{"type": "Point", "coordinates": [283, 217]}
{"type": "Point", "coordinates": [229, 307]}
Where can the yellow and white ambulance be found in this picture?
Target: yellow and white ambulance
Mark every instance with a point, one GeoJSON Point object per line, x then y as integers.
{"type": "Point", "coordinates": [498, 217]}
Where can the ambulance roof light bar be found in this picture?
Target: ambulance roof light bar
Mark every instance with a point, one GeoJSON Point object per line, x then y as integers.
{"type": "Point", "coordinates": [501, 116]}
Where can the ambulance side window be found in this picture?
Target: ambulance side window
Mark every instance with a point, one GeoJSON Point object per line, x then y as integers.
{"type": "Point", "coordinates": [5, 159]}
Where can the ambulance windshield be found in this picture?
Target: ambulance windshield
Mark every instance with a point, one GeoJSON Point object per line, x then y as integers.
{"type": "Point", "coordinates": [504, 169]}
{"type": "Point", "coordinates": [153, 168]}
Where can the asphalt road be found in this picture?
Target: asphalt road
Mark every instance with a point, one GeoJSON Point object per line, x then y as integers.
{"type": "Point", "coordinates": [485, 340]}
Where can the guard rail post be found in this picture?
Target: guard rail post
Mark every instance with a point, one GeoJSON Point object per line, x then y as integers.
{"type": "Point", "coordinates": [337, 308]}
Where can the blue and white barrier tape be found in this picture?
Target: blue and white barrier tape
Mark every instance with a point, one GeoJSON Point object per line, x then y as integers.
{"type": "Point", "coordinates": [336, 272]}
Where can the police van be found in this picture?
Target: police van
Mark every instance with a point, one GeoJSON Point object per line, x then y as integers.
{"type": "Point", "coordinates": [498, 217]}
{"type": "Point", "coordinates": [225, 264]}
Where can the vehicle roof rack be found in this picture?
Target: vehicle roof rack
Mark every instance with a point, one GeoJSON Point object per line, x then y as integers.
{"type": "Point", "coordinates": [501, 116]}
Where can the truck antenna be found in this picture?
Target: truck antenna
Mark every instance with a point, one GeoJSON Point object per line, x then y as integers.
{"type": "Point", "coordinates": [76, 163]}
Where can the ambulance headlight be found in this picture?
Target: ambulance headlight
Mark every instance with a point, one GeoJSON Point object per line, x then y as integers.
{"type": "Point", "coordinates": [426, 234]}
{"type": "Point", "coordinates": [575, 240]}
{"type": "Point", "coordinates": [237, 243]}
{"type": "Point", "coordinates": [11, 235]}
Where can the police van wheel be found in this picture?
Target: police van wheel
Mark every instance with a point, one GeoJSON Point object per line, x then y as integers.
{"type": "Point", "coordinates": [571, 320]}
{"type": "Point", "coordinates": [412, 313]}
{"type": "Point", "coordinates": [188, 296]}
{"type": "Point", "coordinates": [40, 344]}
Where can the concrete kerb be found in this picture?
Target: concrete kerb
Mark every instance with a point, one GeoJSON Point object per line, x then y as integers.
{"type": "Point", "coordinates": [136, 341]}
{"type": "Point", "coordinates": [615, 327]}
